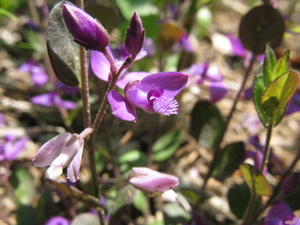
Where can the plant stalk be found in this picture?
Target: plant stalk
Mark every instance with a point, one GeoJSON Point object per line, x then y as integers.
{"type": "Point", "coordinates": [229, 117]}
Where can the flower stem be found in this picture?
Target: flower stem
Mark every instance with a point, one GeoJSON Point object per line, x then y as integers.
{"type": "Point", "coordinates": [229, 117]}
{"type": "Point", "coordinates": [266, 150]}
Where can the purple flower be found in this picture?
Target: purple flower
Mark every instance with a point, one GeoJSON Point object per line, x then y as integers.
{"type": "Point", "coordinates": [153, 182]}
{"type": "Point", "coordinates": [11, 146]}
{"type": "Point", "coordinates": [57, 220]}
{"type": "Point", "coordinates": [281, 214]}
{"type": "Point", "coordinates": [208, 75]}
{"type": "Point", "coordinates": [290, 183]}
{"type": "Point", "coordinates": [60, 151]}
{"type": "Point", "coordinates": [135, 36]}
{"type": "Point", "coordinates": [52, 99]}
{"type": "Point", "coordinates": [294, 104]}
{"type": "Point", "coordinates": [37, 72]}
{"type": "Point", "coordinates": [86, 30]}
{"type": "Point", "coordinates": [101, 66]}
{"type": "Point", "coordinates": [154, 94]}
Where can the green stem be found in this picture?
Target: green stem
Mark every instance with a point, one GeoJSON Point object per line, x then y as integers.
{"type": "Point", "coordinates": [229, 117]}
{"type": "Point", "coordinates": [249, 210]}
{"type": "Point", "coordinates": [266, 153]}
{"type": "Point", "coordinates": [277, 189]}
{"type": "Point", "coordinates": [267, 149]}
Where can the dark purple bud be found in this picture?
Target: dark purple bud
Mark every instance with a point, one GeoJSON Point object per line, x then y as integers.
{"type": "Point", "coordinates": [86, 30]}
{"type": "Point", "coordinates": [290, 183]}
{"type": "Point", "coordinates": [135, 35]}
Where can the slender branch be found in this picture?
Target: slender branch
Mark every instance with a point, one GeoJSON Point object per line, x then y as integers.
{"type": "Point", "coordinates": [229, 117]}
{"type": "Point", "coordinates": [249, 209]}
{"type": "Point", "coordinates": [267, 149]}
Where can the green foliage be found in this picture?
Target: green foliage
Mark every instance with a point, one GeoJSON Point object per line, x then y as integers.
{"type": "Point", "coordinates": [166, 145]}
{"type": "Point", "coordinates": [140, 201]}
{"type": "Point", "coordinates": [273, 87]}
{"type": "Point", "coordinates": [229, 160]}
{"type": "Point", "coordinates": [22, 182]}
{"type": "Point", "coordinates": [206, 124]}
{"type": "Point", "coordinates": [62, 50]}
{"type": "Point", "coordinates": [132, 158]}
{"type": "Point", "coordinates": [255, 180]}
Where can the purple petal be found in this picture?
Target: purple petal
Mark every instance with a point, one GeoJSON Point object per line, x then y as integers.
{"type": "Point", "coordinates": [281, 211]}
{"type": "Point", "coordinates": [186, 44]}
{"type": "Point", "coordinates": [57, 220]}
{"type": "Point", "coordinates": [13, 149]}
{"type": "Point", "coordinates": [100, 65]}
{"type": "Point", "coordinates": [273, 221]}
{"type": "Point", "coordinates": [50, 150]}
{"type": "Point", "coordinates": [135, 36]}
{"type": "Point", "coordinates": [46, 99]}
{"type": "Point", "coordinates": [2, 120]}
{"type": "Point", "coordinates": [67, 104]}
{"type": "Point", "coordinates": [217, 91]}
{"type": "Point", "coordinates": [171, 82]}
{"type": "Point", "coordinates": [86, 30]}
{"type": "Point", "coordinates": [237, 46]}
{"type": "Point", "coordinates": [74, 166]}
{"type": "Point", "coordinates": [120, 107]}
{"type": "Point", "coordinates": [129, 77]}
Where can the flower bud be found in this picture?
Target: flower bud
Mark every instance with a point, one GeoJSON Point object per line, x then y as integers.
{"type": "Point", "coordinates": [135, 36]}
{"type": "Point", "coordinates": [86, 30]}
{"type": "Point", "coordinates": [151, 181]}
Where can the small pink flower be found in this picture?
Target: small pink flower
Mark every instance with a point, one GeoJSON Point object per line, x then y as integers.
{"type": "Point", "coordinates": [60, 151]}
{"type": "Point", "coordinates": [154, 182]}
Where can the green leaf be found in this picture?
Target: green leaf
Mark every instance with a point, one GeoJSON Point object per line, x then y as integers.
{"type": "Point", "coordinates": [238, 197]}
{"type": "Point", "coordinates": [279, 92]}
{"type": "Point", "coordinates": [140, 201]}
{"type": "Point", "coordinates": [268, 65]}
{"type": "Point", "coordinates": [173, 213]}
{"type": "Point", "coordinates": [22, 182]}
{"type": "Point", "coordinates": [132, 158]}
{"type": "Point", "coordinates": [86, 219]}
{"type": "Point", "coordinates": [282, 66]}
{"type": "Point", "coordinates": [166, 145]}
{"type": "Point", "coordinates": [124, 197]}
{"type": "Point", "coordinates": [143, 8]}
{"type": "Point", "coordinates": [75, 193]}
{"type": "Point", "coordinates": [229, 160]}
{"type": "Point", "coordinates": [255, 180]}
{"type": "Point", "coordinates": [25, 215]}
{"type": "Point", "coordinates": [206, 124]}
{"type": "Point", "coordinates": [62, 50]}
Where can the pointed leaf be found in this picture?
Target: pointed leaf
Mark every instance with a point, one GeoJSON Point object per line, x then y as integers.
{"type": "Point", "coordinates": [132, 158]}
{"type": "Point", "coordinates": [75, 193]}
{"type": "Point", "coordinates": [166, 145]}
{"type": "Point", "coordinates": [62, 50]}
{"type": "Point", "coordinates": [140, 201]}
{"type": "Point", "coordinates": [282, 65]}
{"type": "Point", "coordinates": [279, 92]}
{"type": "Point", "coordinates": [256, 181]}
{"type": "Point", "coordinates": [268, 66]}
{"type": "Point", "coordinates": [258, 90]}
{"type": "Point", "coordinates": [206, 124]}
{"type": "Point", "coordinates": [229, 160]}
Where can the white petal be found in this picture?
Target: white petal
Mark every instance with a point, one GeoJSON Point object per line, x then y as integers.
{"type": "Point", "coordinates": [169, 196]}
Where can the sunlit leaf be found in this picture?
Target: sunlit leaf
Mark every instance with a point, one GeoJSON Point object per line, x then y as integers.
{"type": "Point", "coordinates": [255, 180]}
{"type": "Point", "coordinates": [268, 65]}
{"type": "Point", "coordinates": [282, 65]}
{"type": "Point", "coordinates": [132, 158]}
{"type": "Point", "coordinates": [140, 202]}
{"type": "Point", "coordinates": [166, 145]}
{"type": "Point", "coordinates": [62, 50]}
{"type": "Point", "coordinates": [229, 160]}
{"type": "Point", "coordinates": [279, 92]}
{"type": "Point", "coordinates": [75, 193]}
{"type": "Point", "coordinates": [206, 124]}
{"type": "Point", "coordinates": [173, 213]}
{"type": "Point", "coordinates": [22, 182]}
